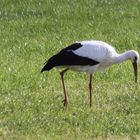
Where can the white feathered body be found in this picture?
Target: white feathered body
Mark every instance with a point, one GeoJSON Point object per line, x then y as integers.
{"type": "Point", "coordinates": [95, 50]}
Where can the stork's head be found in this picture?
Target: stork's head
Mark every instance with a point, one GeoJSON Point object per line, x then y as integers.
{"type": "Point", "coordinates": [134, 55]}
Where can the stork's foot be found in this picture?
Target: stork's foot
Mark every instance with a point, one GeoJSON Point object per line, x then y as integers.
{"type": "Point", "coordinates": [65, 102]}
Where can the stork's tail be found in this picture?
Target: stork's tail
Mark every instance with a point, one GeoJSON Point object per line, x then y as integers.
{"type": "Point", "coordinates": [49, 64]}
{"type": "Point", "coordinates": [45, 68]}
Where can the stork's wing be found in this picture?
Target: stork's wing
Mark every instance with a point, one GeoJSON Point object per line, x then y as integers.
{"type": "Point", "coordinates": [95, 50]}
{"type": "Point", "coordinates": [70, 58]}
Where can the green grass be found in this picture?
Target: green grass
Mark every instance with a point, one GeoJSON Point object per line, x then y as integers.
{"type": "Point", "coordinates": [31, 106]}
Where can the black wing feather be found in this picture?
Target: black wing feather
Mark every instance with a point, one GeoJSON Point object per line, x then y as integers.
{"type": "Point", "coordinates": [66, 57]}
{"type": "Point", "coordinates": [72, 47]}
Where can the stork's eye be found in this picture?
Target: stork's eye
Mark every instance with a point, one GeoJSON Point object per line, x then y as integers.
{"type": "Point", "coordinates": [135, 58]}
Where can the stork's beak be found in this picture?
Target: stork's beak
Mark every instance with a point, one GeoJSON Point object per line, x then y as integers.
{"type": "Point", "coordinates": [135, 71]}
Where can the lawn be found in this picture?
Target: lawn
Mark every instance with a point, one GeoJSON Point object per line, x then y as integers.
{"type": "Point", "coordinates": [31, 105]}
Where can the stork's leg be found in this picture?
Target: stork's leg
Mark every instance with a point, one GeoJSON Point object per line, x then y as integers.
{"type": "Point", "coordinates": [65, 94]}
{"type": "Point", "coordinates": [90, 89]}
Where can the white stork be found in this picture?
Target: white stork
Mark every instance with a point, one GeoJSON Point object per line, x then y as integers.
{"type": "Point", "coordinates": [89, 56]}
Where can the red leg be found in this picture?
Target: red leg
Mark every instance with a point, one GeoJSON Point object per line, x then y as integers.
{"type": "Point", "coordinates": [65, 94]}
{"type": "Point", "coordinates": [90, 89]}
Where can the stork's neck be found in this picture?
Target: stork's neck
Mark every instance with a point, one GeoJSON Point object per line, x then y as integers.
{"type": "Point", "coordinates": [122, 57]}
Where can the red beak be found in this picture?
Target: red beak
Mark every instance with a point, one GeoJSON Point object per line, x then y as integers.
{"type": "Point", "coordinates": [135, 71]}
